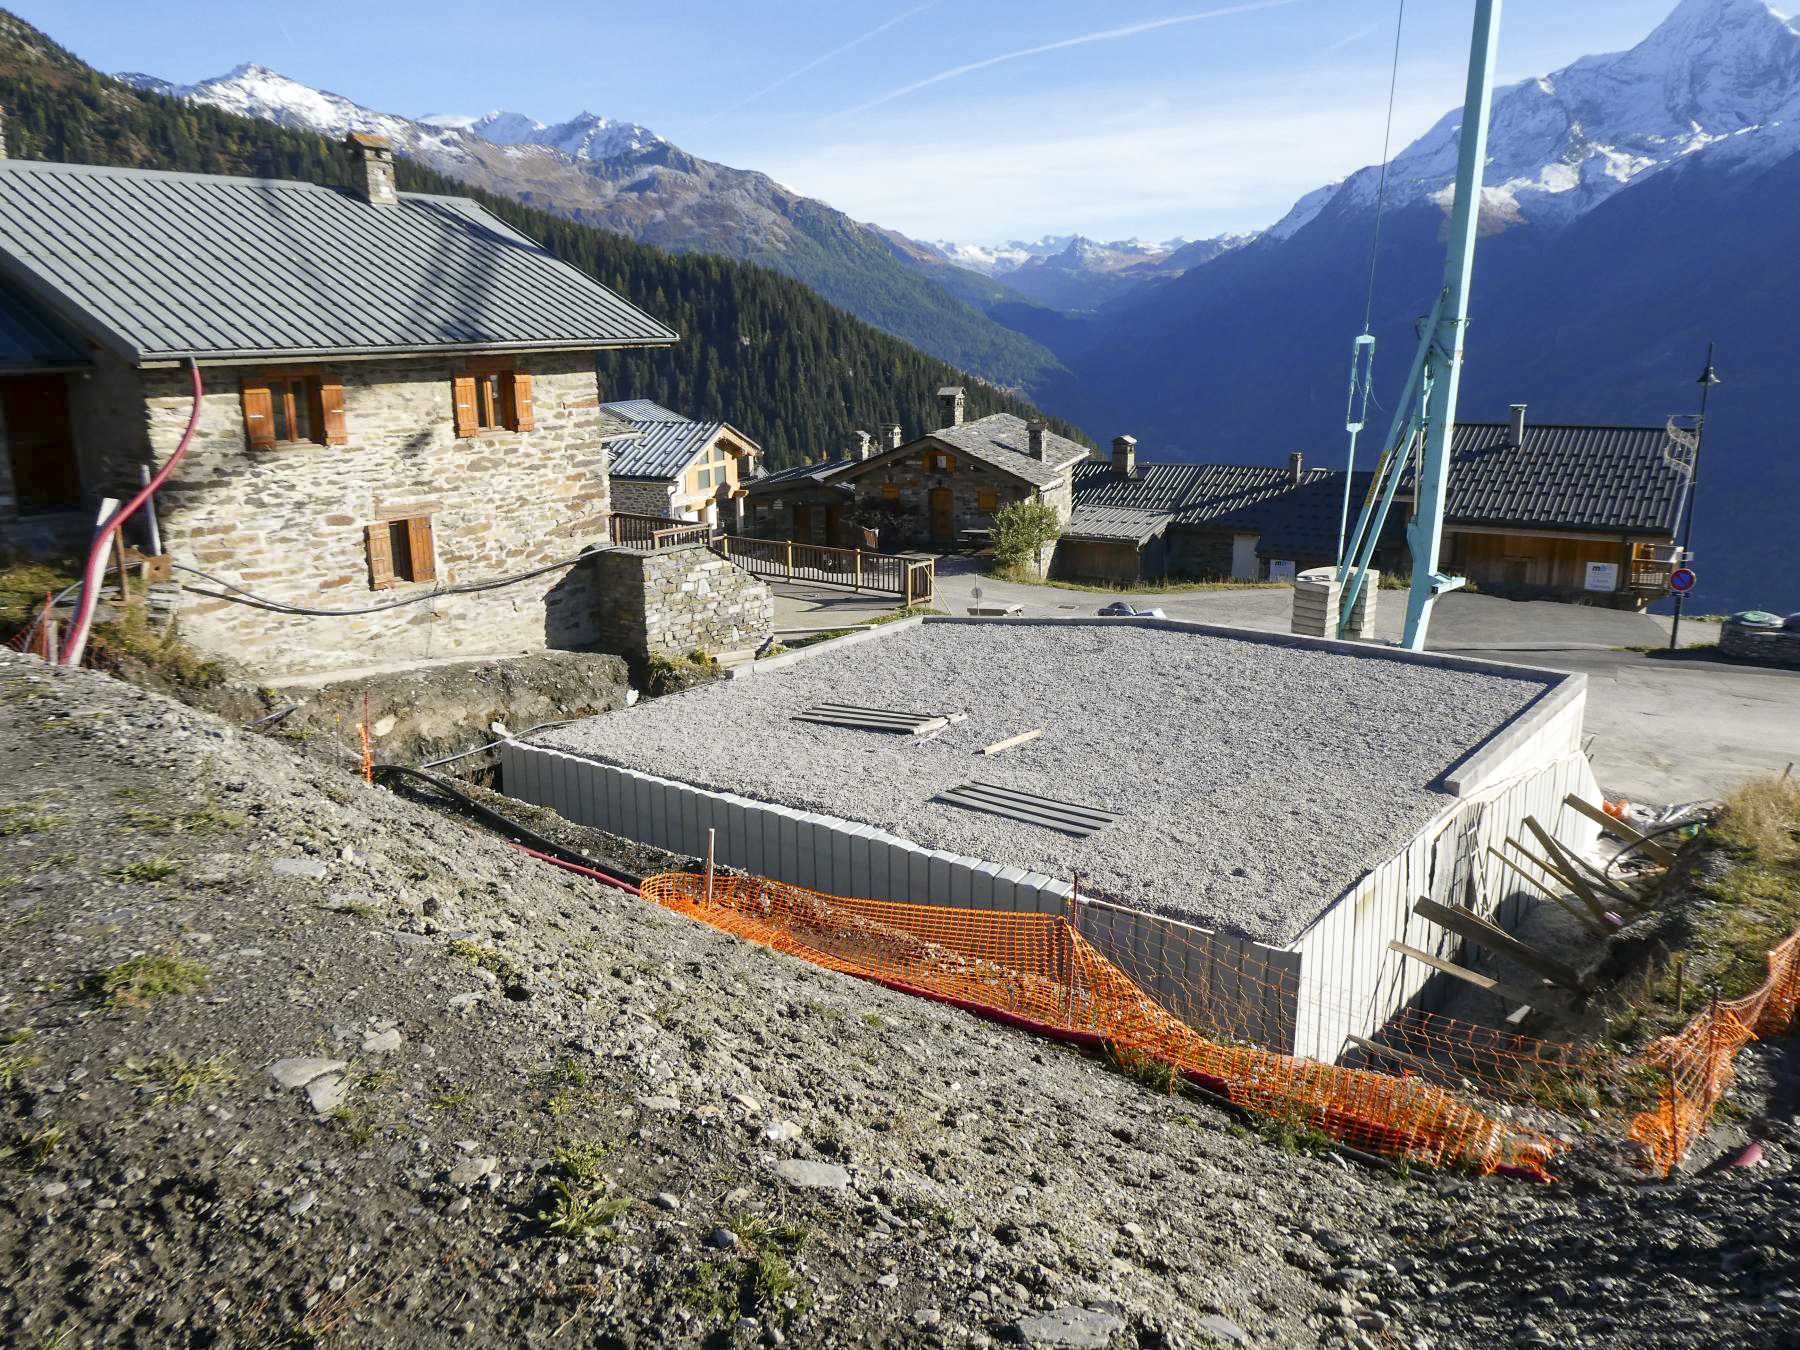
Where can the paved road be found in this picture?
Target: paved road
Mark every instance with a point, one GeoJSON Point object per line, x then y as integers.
{"type": "Point", "coordinates": [1665, 729]}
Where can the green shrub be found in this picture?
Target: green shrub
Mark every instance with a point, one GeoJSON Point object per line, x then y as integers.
{"type": "Point", "coordinates": [1021, 532]}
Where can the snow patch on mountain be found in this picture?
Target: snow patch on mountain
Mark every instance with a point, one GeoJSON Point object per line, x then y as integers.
{"type": "Point", "coordinates": [999, 259]}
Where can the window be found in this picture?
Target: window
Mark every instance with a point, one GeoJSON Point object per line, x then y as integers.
{"type": "Point", "coordinates": [987, 501]}
{"type": "Point", "coordinates": [401, 551]}
{"type": "Point", "coordinates": [293, 407]}
{"type": "Point", "coordinates": [704, 478]}
{"type": "Point", "coordinates": [491, 397]}
{"type": "Point", "coordinates": [890, 492]}
{"type": "Point", "coordinates": [937, 461]}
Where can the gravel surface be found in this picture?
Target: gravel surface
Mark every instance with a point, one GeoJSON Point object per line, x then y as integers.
{"type": "Point", "coordinates": [1257, 782]}
{"type": "Point", "coordinates": [351, 1121]}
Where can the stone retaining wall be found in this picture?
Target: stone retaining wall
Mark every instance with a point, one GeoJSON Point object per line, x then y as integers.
{"type": "Point", "coordinates": [1766, 646]}
{"type": "Point", "coordinates": [674, 601]}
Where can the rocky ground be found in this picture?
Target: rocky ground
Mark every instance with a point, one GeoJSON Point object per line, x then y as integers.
{"type": "Point", "coordinates": [289, 1059]}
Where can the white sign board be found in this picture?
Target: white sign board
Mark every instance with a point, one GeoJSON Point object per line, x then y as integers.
{"type": "Point", "coordinates": [1281, 569]}
{"type": "Point", "coordinates": [1602, 577]}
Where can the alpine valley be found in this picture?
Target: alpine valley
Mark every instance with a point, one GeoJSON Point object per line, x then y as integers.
{"type": "Point", "coordinates": [1636, 208]}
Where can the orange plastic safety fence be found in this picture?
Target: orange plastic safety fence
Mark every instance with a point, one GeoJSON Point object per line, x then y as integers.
{"type": "Point", "coordinates": [1036, 968]}
{"type": "Point", "coordinates": [1697, 1059]}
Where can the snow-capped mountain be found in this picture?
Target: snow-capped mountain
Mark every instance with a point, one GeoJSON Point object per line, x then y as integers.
{"type": "Point", "coordinates": [999, 259]}
{"type": "Point", "coordinates": [585, 136]}
{"type": "Point", "coordinates": [1716, 75]}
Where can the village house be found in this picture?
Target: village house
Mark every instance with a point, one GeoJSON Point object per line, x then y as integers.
{"type": "Point", "coordinates": [400, 404]}
{"type": "Point", "coordinates": [671, 466]}
{"type": "Point", "coordinates": [1565, 512]}
{"type": "Point", "coordinates": [939, 490]}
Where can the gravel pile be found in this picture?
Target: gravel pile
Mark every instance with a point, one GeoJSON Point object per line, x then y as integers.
{"type": "Point", "coordinates": [1257, 782]}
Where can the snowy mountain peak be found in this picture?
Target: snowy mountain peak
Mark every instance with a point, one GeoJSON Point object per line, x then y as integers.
{"type": "Point", "coordinates": [1720, 73]}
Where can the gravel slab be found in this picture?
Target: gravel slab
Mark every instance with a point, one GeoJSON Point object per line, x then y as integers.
{"type": "Point", "coordinates": [1257, 782]}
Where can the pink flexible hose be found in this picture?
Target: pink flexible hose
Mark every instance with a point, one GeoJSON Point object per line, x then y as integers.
{"type": "Point", "coordinates": [76, 643]}
{"type": "Point", "coordinates": [625, 886]}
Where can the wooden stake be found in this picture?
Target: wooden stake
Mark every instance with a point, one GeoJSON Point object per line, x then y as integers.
{"type": "Point", "coordinates": [1478, 930]}
{"type": "Point", "coordinates": [1463, 973]}
{"type": "Point", "coordinates": [1011, 741]}
{"type": "Point", "coordinates": [1580, 916]}
{"type": "Point", "coordinates": [711, 836]}
{"type": "Point", "coordinates": [1614, 826]}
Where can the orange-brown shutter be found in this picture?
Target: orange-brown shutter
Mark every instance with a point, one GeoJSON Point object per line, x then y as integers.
{"type": "Point", "coordinates": [463, 391]}
{"type": "Point", "coordinates": [381, 556]}
{"type": "Point", "coordinates": [259, 416]}
{"type": "Point", "coordinates": [418, 543]}
{"type": "Point", "coordinates": [331, 409]}
{"type": "Point", "coordinates": [521, 401]}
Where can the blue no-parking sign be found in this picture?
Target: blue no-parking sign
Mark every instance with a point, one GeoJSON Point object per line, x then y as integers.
{"type": "Point", "coordinates": [1682, 580]}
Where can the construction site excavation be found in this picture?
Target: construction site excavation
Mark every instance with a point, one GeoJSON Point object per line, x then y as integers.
{"type": "Point", "coordinates": [1242, 821]}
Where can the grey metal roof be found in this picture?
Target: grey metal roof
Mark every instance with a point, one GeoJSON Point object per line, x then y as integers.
{"type": "Point", "coordinates": [1564, 477]}
{"type": "Point", "coordinates": [30, 341]}
{"type": "Point", "coordinates": [643, 410]}
{"type": "Point", "coordinates": [1116, 522]}
{"type": "Point", "coordinates": [663, 449]}
{"type": "Point", "coordinates": [788, 477]}
{"type": "Point", "coordinates": [164, 265]}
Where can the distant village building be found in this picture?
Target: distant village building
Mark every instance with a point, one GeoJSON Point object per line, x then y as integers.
{"type": "Point", "coordinates": [400, 396]}
{"type": "Point", "coordinates": [670, 465]}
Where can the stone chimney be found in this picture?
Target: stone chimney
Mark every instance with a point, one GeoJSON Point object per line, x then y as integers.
{"type": "Point", "coordinates": [1036, 437]}
{"type": "Point", "coordinates": [1125, 456]}
{"type": "Point", "coordinates": [375, 162]}
{"type": "Point", "coordinates": [950, 406]}
{"type": "Point", "coordinates": [1296, 465]}
{"type": "Point", "coordinates": [1518, 424]}
{"type": "Point", "coordinates": [862, 445]}
{"type": "Point", "coordinates": [889, 439]}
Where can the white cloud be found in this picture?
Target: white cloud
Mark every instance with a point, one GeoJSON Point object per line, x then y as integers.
{"type": "Point", "coordinates": [1165, 163]}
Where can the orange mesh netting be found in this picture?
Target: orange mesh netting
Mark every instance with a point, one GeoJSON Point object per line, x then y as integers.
{"type": "Point", "coordinates": [1697, 1059]}
{"type": "Point", "coordinates": [1036, 970]}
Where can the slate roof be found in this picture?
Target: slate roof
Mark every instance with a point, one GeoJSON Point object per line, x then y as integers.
{"type": "Point", "coordinates": [29, 341]}
{"type": "Point", "coordinates": [1002, 440]}
{"type": "Point", "coordinates": [1564, 477]}
{"type": "Point", "coordinates": [159, 266]}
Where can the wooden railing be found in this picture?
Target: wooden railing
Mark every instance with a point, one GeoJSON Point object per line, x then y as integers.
{"type": "Point", "coordinates": [1650, 576]}
{"type": "Point", "coordinates": [634, 531]}
{"type": "Point", "coordinates": [914, 580]}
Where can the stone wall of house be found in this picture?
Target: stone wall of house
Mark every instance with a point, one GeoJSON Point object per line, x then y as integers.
{"type": "Point", "coordinates": [906, 481]}
{"type": "Point", "coordinates": [674, 601]}
{"type": "Point", "coordinates": [289, 523]}
{"type": "Point", "coordinates": [641, 496]}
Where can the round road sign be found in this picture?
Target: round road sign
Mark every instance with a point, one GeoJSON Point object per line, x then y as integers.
{"type": "Point", "coordinates": [1682, 580]}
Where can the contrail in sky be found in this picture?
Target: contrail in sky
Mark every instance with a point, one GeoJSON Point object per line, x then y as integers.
{"type": "Point", "coordinates": [812, 64]}
{"type": "Point", "coordinates": [1357, 36]}
{"type": "Point", "coordinates": [1109, 34]}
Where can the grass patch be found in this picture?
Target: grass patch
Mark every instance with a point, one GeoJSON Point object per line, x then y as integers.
{"type": "Point", "coordinates": [131, 638]}
{"type": "Point", "coordinates": [1020, 576]}
{"type": "Point", "coordinates": [30, 1150]}
{"type": "Point", "coordinates": [583, 1215]}
{"type": "Point", "coordinates": [496, 963]}
{"type": "Point", "coordinates": [144, 979]}
{"type": "Point", "coordinates": [174, 1078]}
{"type": "Point", "coordinates": [1293, 1133]}
{"type": "Point", "coordinates": [23, 586]}
{"type": "Point", "coordinates": [14, 1065]}
{"type": "Point", "coordinates": [766, 1282]}
{"type": "Point", "coordinates": [1156, 1074]}
{"type": "Point", "coordinates": [16, 820]}
{"type": "Point", "coordinates": [146, 870]}
{"type": "Point", "coordinates": [209, 816]}
{"type": "Point", "coordinates": [448, 1101]}
{"type": "Point", "coordinates": [580, 1159]}
{"type": "Point", "coordinates": [708, 1291]}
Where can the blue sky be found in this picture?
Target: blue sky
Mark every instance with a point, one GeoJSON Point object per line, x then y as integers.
{"type": "Point", "coordinates": [1195, 118]}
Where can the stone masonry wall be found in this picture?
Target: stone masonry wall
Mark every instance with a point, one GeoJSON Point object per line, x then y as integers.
{"type": "Point", "coordinates": [640, 496]}
{"type": "Point", "coordinates": [915, 483]}
{"type": "Point", "coordinates": [673, 601]}
{"type": "Point", "coordinates": [288, 523]}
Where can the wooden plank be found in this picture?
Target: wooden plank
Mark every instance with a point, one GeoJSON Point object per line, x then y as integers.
{"type": "Point", "coordinates": [1479, 930]}
{"type": "Point", "coordinates": [1474, 977]}
{"type": "Point", "coordinates": [1614, 826]}
{"type": "Point", "coordinates": [1581, 916]}
{"type": "Point", "coordinates": [998, 746]}
{"type": "Point", "coordinates": [1401, 1057]}
{"type": "Point", "coordinates": [1568, 865]}
{"type": "Point", "coordinates": [1581, 890]}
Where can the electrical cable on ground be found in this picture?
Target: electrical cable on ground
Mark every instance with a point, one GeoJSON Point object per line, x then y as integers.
{"type": "Point", "coordinates": [605, 871]}
{"type": "Point", "coordinates": [517, 735]}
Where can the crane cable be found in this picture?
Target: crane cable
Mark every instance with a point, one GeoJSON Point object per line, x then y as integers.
{"type": "Point", "coordinates": [1387, 136]}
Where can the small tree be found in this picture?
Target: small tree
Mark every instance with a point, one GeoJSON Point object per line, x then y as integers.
{"type": "Point", "coordinates": [1021, 530]}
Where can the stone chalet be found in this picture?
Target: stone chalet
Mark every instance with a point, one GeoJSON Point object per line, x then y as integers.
{"type": "Point", "coordinates": [400, 397]}
{"type": "Point", "coordinates": [672, 466]}
{"type": "Point", "coordinates": [939, 490]}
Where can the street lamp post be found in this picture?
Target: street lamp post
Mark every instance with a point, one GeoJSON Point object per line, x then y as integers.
{"type": "Point", "coordinates": [1708, 378]}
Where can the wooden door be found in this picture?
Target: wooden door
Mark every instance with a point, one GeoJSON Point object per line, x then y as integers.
{"type": "Point", "coordinates": [833, 521]}
{"type": "Point", "coordinates": [803, 524]}
{"type": "Point", "coordinates": [45, 475]}
{"type": "Point", "coordinates": [943, 516]}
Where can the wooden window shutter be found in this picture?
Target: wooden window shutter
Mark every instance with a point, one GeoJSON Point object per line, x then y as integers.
{"type": "Point", "coordinates": [259, 416]}
{"type": "Point", "coordinates": [418, 543]}
{"type": "Point", "coordinates": [381, 556]}
{"type": "Point", "coordinates": [463, 391]}
{"type": "Point", "coordinates": [328, 423]}
{"type": "Point", "coordinates": [521, 401]}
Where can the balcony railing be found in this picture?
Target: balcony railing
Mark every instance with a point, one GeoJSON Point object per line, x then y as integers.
{"type": "Point", "coordinates": [634, 531]}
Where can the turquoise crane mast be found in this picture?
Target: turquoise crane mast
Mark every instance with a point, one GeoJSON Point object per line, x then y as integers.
{"type": "Point", "coordinates": [1425, 415]}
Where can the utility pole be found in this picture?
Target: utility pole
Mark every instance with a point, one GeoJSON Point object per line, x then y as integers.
{"type": "Point", "coordinates": [1708, 378]}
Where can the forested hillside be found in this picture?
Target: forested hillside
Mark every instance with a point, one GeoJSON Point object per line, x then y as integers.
{"type": "Point", "coordinates": [757, 349]}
